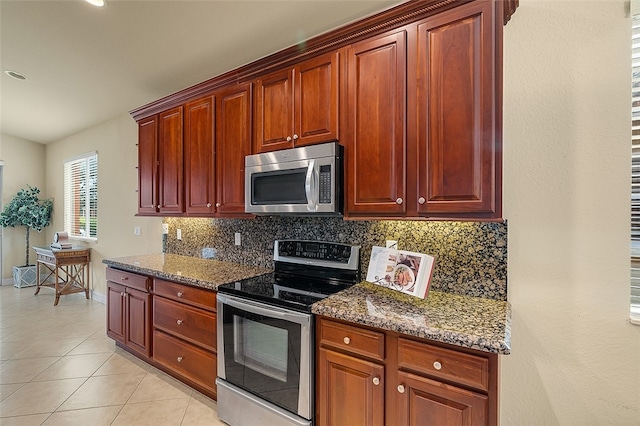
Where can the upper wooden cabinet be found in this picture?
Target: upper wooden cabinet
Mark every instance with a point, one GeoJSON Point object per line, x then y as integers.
{"type": "Point", "coordinates": [298, 106]}
{"type": "Point", "coordinates": [199, 157]}
{"type": "Point", "coordinates": [148, 166]}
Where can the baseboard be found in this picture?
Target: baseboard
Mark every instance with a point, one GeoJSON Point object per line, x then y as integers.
{"type": "Point", "coordinates": [7, 281]}
{"type": "Point", "coordinates": [98, 297]}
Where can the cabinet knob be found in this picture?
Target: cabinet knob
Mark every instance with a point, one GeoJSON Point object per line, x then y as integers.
{"type": "Point", "coordinates": [122, 293]}
{"type": "Point", "coordinates": [158, 206]}
{"type": "Point", "coordinates": [437, 365]}
{"type": "Point", "coordinates": [295, 137]}
{"type": "Point", "coordinates": [401, 388]}
{"type": "Point", "coordinates": [288, 138]}
{"type": "Point", "coordinates": [124, 278]}
{"type": "Point", "coordinates": [179, 322]}
{"type": "Point", "coordinates": [179, 294]}
{"type": "Point", "coordinates": [421, 200]}
{"type": "Point", "coordinates": [180, 359]}
{"type": "Point", "coordinates": [376, 381]}
{"type": "Point", "coordinates": [399, 201]}
{"type": "Point", "coordinates": [346, 340]}
{"type": "Point", "coordinates": [208, 204]}
{"type": "Point", "coordinates": [217, 204]}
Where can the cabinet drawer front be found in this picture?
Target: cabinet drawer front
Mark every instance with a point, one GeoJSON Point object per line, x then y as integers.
{"type": "Point", "coordinates": [192, 295]}
{"type": "Point", "coordinates": [444, 363]}
{"type": "Point", "coordinates": [352, 339]}
{"type": "Point", "coordinates": [187, 360]}
{"type": "Point", "coordinates": [192, 324]}
{"type": "Point", "coordinates": [128, 279]}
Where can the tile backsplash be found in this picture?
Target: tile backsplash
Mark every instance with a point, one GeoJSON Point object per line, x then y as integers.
{"type": "Point", "coordinates": [471, 257]}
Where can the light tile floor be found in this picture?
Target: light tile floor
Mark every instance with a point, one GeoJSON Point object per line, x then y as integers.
{"type": "Point", "coordinates": [58, 367]}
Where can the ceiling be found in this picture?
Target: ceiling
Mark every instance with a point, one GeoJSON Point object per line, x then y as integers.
{"type": "Point", "coordinates": [84, 65]}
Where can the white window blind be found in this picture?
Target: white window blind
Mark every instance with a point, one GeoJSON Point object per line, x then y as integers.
{"type": "Point", "coordinates": [635, 163]}
{"type": "Point", "coordinates": [81, 196]}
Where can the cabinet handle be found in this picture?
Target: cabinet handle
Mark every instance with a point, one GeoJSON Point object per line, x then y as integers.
{"type": "Point", "coordinates": [437, 365]}
{"type": "Point", "coordinates": [124, 278]}
{"type": "Point", "coordinates": [158, 206]}
{"type": "Point", "coordinates": [179, 294]}
{"type": "Point", "coordinates": [295, 137]}
{"type": "Point", "coordinates": [208, 204]}
{"type": "Point", "coordinates": [180, 359]}
{"type": "Point", "coordinates": [288, 138]}
{"type": "Point", "coordinates": [401, 388]}
{"type": "Point", "coordinates": [346, 340]}
{"type": "Point", "coordinates": [399, 201]}
{"type": "Point", "coordinates": [217, 204]}
{"type": "Point", "coordinates": [122, 294]}
{"type": "Point", "coordinates": [376, 381]}
{"type": "Point", "coordinates": [179, 322]}
{"type": "Point", "coordinates": [421, 200]}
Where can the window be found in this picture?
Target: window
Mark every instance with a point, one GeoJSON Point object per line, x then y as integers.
{"type": "Point", "coordinates": [81, 196]}
{"type": "Point", "coordinates": [635, 163]}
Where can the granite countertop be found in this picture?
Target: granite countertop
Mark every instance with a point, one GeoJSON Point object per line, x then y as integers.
{"type": "Point", "coordinates": [471, 322]}
{"type": "Point", "coordinates": [205, 273]}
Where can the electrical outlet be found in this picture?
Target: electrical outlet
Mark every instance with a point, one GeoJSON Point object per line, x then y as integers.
{"type": "Point", "coordinates": [392, 244]}
{"type": "Point", "coordinates": [165, 228]}
{"type": "Point", "coordinates": [179, 233]}
{"type": "Point", "coordinates": [238, 239]}
{"type": "Point", "coordinates": [136, 230]}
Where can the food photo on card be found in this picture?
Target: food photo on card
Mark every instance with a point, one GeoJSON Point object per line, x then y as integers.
{"type": "Point", "coordinates": [404, 271]}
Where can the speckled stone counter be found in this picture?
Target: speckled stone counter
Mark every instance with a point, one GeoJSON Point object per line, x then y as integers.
{"type": "Point", "coordinates": [186, 270]}
{"type": "Point", "coordinates": [471, 322]}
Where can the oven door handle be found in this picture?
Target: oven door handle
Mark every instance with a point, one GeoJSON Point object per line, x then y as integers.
{"type": "Point", "coordinates": [265, 310]}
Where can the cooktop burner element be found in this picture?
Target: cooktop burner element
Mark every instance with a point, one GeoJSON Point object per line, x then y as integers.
{"type": "Point", "coordinates": [305, 272]}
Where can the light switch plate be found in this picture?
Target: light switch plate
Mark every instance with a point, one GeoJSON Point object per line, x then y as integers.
{"type": "Point", "coordinates": [238, 239]}
{"type": "Point", "coordinates": [179, 233]}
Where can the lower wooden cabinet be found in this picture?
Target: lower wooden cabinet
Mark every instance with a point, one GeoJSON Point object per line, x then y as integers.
{"type": "Point", "coordinates": [408, 382]}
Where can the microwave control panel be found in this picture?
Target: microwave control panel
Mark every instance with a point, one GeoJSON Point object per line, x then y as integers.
{"type": "Point", "coordinates": [325, 185]}
{"type": "Point", "coordinates": [333, 252]}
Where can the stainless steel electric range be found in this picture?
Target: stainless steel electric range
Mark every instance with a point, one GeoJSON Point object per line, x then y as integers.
{"type": "Point", "coordinates": [266, 333]}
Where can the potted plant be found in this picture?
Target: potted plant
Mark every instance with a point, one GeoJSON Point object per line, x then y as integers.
{"type": "Point", "coordinates": [26, 209]}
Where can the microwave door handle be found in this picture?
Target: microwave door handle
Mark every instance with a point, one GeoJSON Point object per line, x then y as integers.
{"type": "Point", "coordinates": [310, 184]}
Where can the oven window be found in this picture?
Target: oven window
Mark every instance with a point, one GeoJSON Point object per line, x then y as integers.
{"type": "Point", "coordinates": [261, 347]}
{"type": "Point", "coordinates": [279, 187]}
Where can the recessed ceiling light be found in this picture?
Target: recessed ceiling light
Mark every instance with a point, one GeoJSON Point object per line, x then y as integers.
{"type": "Point", "coordinates": [97, 3]}
{"type": "Point", "coordinates": [15, 75]}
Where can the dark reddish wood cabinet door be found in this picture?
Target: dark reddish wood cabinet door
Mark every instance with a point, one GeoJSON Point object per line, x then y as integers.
{"type": "Point", "coordinates": [170, 158]}
{"type": "Point", "coordinates": [316, 100]}
{"type": "Point", "coordinates": [422, 401]}
{"type": "Point", "coordinates": [148, 166]}
{"type": "Point", "coordinates": [138, 321]}
{"type": "Point", "coordinates": [274, 112]}
{"type": "Point", "coordinates": [458, 150]}
{"type": "Point", "coordinates": [115, 311]}
{"type": "Point", "coordinates": [350, 391]}
{"type": "Point", "coordinates": [375, 143]}
{"type": "Point", "coordinates": [233, 143]}
{"type": "Point", "coordinates": [199, 158]}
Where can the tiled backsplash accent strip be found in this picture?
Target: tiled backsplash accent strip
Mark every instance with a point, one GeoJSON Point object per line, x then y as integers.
{"type": "Point", "coordinates": [471, 257]}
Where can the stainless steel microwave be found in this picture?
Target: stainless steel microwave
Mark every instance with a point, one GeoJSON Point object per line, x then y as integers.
{"type": "Point", "coordinates": [303, 181]}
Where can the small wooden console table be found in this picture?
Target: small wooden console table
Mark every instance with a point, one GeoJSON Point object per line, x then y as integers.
{"type": "Point", "coordinates": [68, 267]}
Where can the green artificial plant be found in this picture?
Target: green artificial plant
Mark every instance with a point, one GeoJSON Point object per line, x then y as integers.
{"type": "Point", "coordinates": [26, 209]}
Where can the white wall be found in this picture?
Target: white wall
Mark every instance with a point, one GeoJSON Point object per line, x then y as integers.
{"type": "Point", "coordinates": [575, 357]}
{"type": "Point", "coordinates": [115, 141]}
{"type": "Point", "coordinates": [24, 164]}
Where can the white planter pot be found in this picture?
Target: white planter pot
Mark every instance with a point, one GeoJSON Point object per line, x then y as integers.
{"type": "Point", "coordinates": [24, 276]}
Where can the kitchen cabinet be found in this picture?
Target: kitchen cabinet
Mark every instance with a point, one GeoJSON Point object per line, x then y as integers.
{"type": "Point", "coordinates": [199, 157]}
{"type": "Point", "coordinates": [184, 333]}
{"type": "Point", "coordinates": [129, 311]}
{"type": "Point", "coordinates": [160, 164]}
{"type": "Point", "coordinates": [233, 143]}
{"type": "Point", "coordinates": [395, 379]}
{"type": "Point", "coordinates": [424, 118]}
{"type": "Point", "coordinates": [298, 106]}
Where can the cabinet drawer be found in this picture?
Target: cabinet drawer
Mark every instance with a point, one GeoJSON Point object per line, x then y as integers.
{"type": "Point", "coordinates": [186, 360]}
{"type": "Point", "coordinates": [444, 363]}
{"type": "Point", "coordinates": [128, 279]}
{"type": "Point", "coordinates": [192, 295]}
{"type": "Point", "coordinates": [352, 339]}
{"type": "Point", "coordinates": [192, 324]}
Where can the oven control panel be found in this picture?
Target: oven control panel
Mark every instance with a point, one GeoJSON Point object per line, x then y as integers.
{"type": "Point", "coordinates": [316, 250]}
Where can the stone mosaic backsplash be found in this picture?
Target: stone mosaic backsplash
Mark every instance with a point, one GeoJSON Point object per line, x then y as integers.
{"type": "Point", "coordinates": [471, 257]}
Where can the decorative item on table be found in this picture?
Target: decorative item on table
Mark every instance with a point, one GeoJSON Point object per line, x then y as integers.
{"type": "Point", "coordinates": [404, 271]}
{"type": "Point", "coordinates": [61, 241]}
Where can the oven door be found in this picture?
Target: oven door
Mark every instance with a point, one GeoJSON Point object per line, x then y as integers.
{"type": "Point", "coordinates": [266, 350]}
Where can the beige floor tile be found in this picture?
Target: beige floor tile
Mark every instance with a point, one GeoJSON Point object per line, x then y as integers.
{"type": "Point", "coordinates": [73, 366]}
{"type": "Point", "coordinates": [6, 390]}
{"type": "Point", "coordinates": [100, 416]}
{"type": "Point", "coordinates": [102, 391]}
{"type": "Point", "coordinates": [156, 386]}
{"type": "Point", "coordinates": [122, 362]}
{"type": "Point", "coordinates": [39, 397]}
{"type": "Point", "coordinates": [201, 411]}
{"type": "Point", "coordinates": [23, 370]}
{"type": "Point", "coordinates": [32, 420]}
{"type": "Point", "coordinates": [95, 344]}
{"type": "Point", "coordinates": [166, 413]}
{"type": "Point", "coordinates": [42, 347]}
